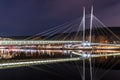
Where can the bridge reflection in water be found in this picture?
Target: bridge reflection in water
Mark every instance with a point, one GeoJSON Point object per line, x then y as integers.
{"type": "Point", "coordinates": [27, 57]}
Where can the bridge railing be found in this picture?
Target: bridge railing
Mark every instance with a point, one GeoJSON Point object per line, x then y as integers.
{"type": "Point", "coordinates": [34, 42]}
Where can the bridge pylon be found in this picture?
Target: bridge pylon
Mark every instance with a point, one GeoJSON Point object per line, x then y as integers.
{"type": "Point", "coordinates": [84, 42]}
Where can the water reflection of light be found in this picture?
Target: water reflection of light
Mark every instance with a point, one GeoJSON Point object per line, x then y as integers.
{"type": "Point", "coordinates": [28, 50]}
{"type": "Point", "coordinates": [106, 51]}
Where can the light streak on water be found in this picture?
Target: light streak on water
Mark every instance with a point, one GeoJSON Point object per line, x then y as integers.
{"type": "Point", "coordinates": [40, 62]}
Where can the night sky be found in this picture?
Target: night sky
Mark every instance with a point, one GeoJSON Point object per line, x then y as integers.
{"type": "Point", "coordinates": [28, 17]}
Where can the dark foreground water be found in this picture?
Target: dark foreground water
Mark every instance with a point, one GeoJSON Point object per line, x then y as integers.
{"type": "Point", "coordinates": [58, 71]}
{"type": "Point", "coordinates": [104, 68]}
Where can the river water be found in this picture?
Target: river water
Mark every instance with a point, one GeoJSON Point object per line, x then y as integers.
{"type": "Point", "coordinates": [103, 68]}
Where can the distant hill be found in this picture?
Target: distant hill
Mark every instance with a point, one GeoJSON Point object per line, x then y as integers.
{"type": "Point", "coordinates": [96, 32]}
{"type": "Point", "coordinates": [116, 30]}
{"type": "Point", "coordinates": [71, 35]}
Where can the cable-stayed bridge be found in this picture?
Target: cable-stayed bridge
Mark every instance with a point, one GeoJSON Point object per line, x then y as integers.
{"type": "Point", "coordinates": [89, 32]}
{"type": "Point", "coordinates": [63, 45]}
{"type": "Point", "coordinates": [67, 37]}
{"type": "Point", "coordinates": [71, 35]}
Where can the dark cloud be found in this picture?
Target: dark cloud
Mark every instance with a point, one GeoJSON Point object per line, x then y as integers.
{"type": "Point", "coordinates": [27, 17]}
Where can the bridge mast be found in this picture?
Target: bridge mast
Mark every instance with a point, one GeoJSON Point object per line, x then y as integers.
{"type": "Point", "coordinates": [90, 40]}
{"type": "Point", "coordinates": [83, 78]}
{"type": "Point", "coordinates": [83, 24]}
{"type": "Point", "coordinates": [91, 24]}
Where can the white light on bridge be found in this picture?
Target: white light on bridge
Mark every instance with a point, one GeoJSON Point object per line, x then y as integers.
{"type": "Point", "coordinates": [86, 44]}
{"type": "Point", "coordinates": [85, 55]}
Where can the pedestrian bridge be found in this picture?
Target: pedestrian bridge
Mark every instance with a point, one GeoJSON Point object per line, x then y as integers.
{"type": "Point", "coordinates": [36, 42]}
{"type": "Point", "coordinates": [42, 42]}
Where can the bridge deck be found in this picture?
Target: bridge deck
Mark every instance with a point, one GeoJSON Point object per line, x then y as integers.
{"type": "Point", "coordinates": [37, 42]}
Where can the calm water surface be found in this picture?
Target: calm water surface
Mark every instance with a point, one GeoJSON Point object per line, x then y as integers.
{"type": "Point", "coordinates": [104, 68]}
